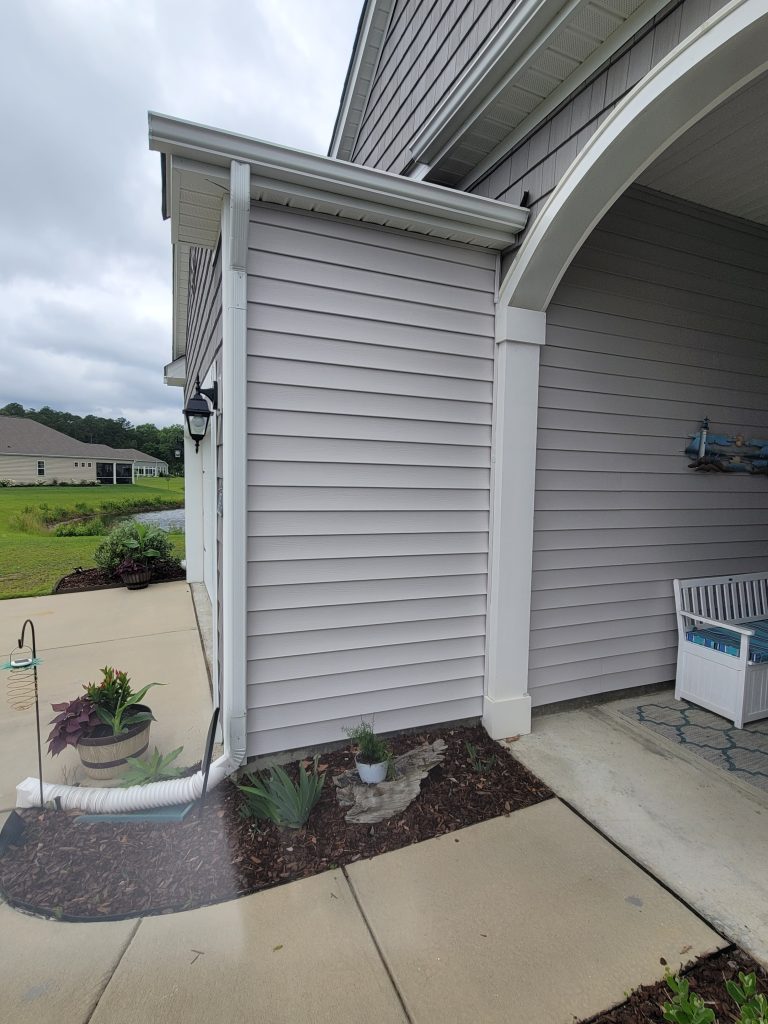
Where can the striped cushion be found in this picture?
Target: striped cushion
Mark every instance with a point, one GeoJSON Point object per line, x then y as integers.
{"type": "Point", "coordinates": [728, 643]}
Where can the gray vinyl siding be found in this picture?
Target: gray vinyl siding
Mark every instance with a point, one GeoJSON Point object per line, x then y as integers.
{"type": "Point", "coordinates": [205, 313]}
{"type": "Point", "coordinates": [428, 45]}
{"type": "Point", "coordinates": [660, 320]}
{"type": "Point", "coordinates": [370, 374]}
{"type": "Point", "coordinates": [538, 162]}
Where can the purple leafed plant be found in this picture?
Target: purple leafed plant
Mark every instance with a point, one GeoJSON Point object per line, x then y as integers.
{"type": "Point", "coordinates": [75, 719]}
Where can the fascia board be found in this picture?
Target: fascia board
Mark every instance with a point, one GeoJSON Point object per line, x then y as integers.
{"type": "Point", "coordinates": [526, 28]}
{"type": "Point", "coordinates": [353, 187]}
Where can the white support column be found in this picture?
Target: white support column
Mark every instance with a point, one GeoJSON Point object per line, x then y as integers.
{"type": "Point", "coordinates": [193, 510]}
{"type": "Point", "coordinates": [234, 406]}
{"type": "Point", "coordinates": [519, 335]}
{"type": "Point", "coordinates": [114, 474]}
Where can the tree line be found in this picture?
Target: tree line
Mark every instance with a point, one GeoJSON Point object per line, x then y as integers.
{"type": "Point", "coordinates": [160, 442]}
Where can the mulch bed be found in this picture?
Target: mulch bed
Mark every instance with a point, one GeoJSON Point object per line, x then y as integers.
{"type": "Point", "coordinates": [86, 871]}
{"type": "Point", "coordinates": [96, 579]}
{"type": "Point", "coordinates": [707, 978]}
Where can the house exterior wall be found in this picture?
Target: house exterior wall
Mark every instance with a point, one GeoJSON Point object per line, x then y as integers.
{"type": "Point", "coordinates": [538, 162]}
{"type": "Point", "coordinates": [428, 45]}
{"type": "Point", "coordinates": [22, 469]}
{"type": "Point", "coordinates": [370, 370]}
{"type": "Point", "coordinates": [660, 320]}
{"type": "Point", "coordinates": [204, 321]}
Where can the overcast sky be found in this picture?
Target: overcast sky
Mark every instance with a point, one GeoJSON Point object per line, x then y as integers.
{"type": "Point", "coordinates": [85, 257]}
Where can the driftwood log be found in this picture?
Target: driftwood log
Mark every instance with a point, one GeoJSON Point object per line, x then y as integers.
{"type": "Point", "coordinates": [369, 804]}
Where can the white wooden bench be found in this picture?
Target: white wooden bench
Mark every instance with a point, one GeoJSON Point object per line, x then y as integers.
{"type": "Point", "coordinates": [722, 658]}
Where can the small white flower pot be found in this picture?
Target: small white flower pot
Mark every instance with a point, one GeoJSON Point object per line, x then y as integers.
{"type": "Point", "coordinates": [372, 773]}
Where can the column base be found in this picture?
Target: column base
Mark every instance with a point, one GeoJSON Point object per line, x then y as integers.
{"type": "Point", "coordinates": [503, 718]}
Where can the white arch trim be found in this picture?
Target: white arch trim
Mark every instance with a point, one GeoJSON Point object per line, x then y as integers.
{"type": "Point", "coordinates": [719, 58]}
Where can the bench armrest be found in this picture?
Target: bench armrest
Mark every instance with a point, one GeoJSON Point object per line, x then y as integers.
{"type": "Point", "coordinates": [742, 630]}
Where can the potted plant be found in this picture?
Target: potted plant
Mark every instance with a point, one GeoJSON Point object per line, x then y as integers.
{"type": "Point", "coordinates": [107, 725]}
{"type": "Point", "coordinates": [134, 574]}
{"type": "Point", "coordinates": [373, 756]}
{"type": "Point", "coordinates": [130, 552]}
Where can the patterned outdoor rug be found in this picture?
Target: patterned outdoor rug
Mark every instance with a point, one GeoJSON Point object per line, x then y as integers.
{"type": "Point", "coordinates": [743, 752]}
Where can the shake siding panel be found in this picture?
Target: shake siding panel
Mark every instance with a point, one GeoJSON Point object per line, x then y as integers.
{"type": "Point", "coordinates": [370, 375]}
{"type": "Point", "coordinates": [660, 320]}
{"type": "Point", "coordinates": [428, 46]}
{"type": "Point", "coordinates": [204, 320]}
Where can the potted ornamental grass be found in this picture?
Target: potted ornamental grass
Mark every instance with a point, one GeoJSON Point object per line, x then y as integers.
{"type": "Point", "coordinates": [373, 757]}
{"type": "Point", "coordinates": [107, 724]}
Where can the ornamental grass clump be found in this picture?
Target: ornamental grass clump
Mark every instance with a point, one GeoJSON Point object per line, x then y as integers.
{"type": "Point", "coordinates": [371, 749]}
{"type": "Point", "coordinates": [277, 798]}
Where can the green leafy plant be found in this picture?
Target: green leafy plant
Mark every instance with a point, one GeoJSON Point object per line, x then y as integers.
{"type": "Point", "coordinates": [371, 749]}
{"type": "Point", "coordinates": [143, 544]}
{"type": "Point", "coordinates": [114, 688]}
{"type": "Point", "coordinates": [753, 1005]}
{"type": "Point", "coordinates": [686, 1007]}
{"type": "Point", "coordinates": [279, 799]}
{"type": "Point", "coordinates": [482, 765]}
{"type": "Point", "coordinates": [156, 768]}
{"type": "Point", "coordinates": [123, 715]}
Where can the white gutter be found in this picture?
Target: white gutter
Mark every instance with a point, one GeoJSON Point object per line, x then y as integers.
{"type": "Point", "coordinates": [282, 174]}
{"type": "Point", "coordinates": [92, 800]}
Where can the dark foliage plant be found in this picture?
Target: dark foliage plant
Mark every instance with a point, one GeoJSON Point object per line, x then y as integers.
{"type": "Point", "coordinates": [75, 719]}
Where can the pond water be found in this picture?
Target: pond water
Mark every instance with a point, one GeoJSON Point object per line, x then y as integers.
{"type": "Point", "coordinates": [167, 519]}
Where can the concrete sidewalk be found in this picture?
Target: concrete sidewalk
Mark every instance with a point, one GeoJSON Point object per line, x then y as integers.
{"type": "Point", "coordinates": [684, 820]}
{"type": "Point", "coordinates": [529, 919]}
{"type": "Point", "coordinates": [151, 634]}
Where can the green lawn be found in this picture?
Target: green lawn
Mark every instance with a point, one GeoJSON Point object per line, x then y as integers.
{"type": "Point", "coordinates": [30, 564]}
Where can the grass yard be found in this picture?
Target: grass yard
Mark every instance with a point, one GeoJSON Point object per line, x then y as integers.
{"type": "Point", "coordinates": [31, 563]}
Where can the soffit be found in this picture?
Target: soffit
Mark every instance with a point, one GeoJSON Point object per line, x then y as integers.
{"type": "Point", "coordinates": [512, 83]}
{"type": "Point", "coordinates": [722, 162]}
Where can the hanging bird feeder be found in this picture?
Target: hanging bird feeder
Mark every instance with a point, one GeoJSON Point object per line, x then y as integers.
{"type": "Point", "coordinates": [22, 688]}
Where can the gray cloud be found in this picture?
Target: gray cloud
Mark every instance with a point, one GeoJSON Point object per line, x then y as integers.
{"type": "Point", "coordinates": [85, 265]}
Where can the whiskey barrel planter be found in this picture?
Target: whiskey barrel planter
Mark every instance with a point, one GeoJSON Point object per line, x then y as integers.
{"type": "Point", "coordinates": [137, 580]}
{"type": "Point", "coordinates": [103, 755]}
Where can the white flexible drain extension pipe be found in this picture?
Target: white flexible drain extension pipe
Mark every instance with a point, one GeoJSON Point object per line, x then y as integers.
{"type": "Point", "coordinates": [93, 800]}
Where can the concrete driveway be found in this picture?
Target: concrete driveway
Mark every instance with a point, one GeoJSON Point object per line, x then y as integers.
{"type": "Point", "coordinates": [151, 634]}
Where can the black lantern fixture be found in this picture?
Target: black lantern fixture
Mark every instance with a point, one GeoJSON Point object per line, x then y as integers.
{"type": "Point", "coordinates": [197, 411]}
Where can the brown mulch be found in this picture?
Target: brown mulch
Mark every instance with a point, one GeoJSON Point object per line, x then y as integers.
{"type": "Point", "coordinates": [96, 579]}
{"type": "Point", "coordinates": [707, 977]}
{"type": "Point", "coordinates": [85, 871]}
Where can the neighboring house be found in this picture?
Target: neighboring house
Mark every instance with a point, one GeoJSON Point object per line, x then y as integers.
{"type": "Point", "coordinates": [460, 359]}
{"type": "Point", "coordinates": [31, 452]}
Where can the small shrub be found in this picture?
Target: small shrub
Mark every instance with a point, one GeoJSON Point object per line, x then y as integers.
{"type": "Point", "coordinates": [90, 528]}
{"type": "Point", "coordinates": [135, 541]}
{"type": "Point", "coordinates": [277, 798]}
{"type": "Point", "coordinates": [687, 1007]}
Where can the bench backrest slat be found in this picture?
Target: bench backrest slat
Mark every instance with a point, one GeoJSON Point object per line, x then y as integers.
{"type": "Point", "coordinates": [725, 598]}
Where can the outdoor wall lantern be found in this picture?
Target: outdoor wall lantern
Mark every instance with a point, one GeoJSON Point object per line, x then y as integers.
{"type": "Point", "coordinates": [197, 411]}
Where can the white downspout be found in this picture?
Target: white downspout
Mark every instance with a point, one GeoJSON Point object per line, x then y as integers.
{"type": "Point", "coordinates": [234, 226]}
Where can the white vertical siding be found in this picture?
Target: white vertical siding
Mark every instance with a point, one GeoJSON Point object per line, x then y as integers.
{"type": "Point", "coordinates": [660, 320]}
{"type": "Point", "coordinates": [370, 376]}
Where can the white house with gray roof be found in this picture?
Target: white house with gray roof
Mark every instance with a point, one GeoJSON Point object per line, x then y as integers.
{"type": "Point", "coordinates": [33, 453]}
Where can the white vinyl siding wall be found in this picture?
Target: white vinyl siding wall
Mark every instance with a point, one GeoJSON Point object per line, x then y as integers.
{"type": "Point", "coordinates": [370, 376]}
{"type": "Point", "coordinates": [660, 320]}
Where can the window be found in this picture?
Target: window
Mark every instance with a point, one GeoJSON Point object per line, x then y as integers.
{"type": "Point", "coordinates": [75, 465]}
{"type": "Point", "coordinates": [89, 465]}
{"type": "Point", "coordinates": [41, 467]}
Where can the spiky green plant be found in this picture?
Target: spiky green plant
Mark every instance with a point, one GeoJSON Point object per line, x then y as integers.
{"type": "Point", "coordinates": [157, 768]}
{"type": "Point", "coordinates": [278, 798]}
